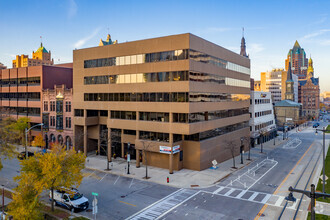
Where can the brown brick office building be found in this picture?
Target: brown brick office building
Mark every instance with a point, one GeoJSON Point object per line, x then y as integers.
{"type": "Point", "coordinates": [179, 96]}
{"type": "Point", "coordinates": [21, 90]}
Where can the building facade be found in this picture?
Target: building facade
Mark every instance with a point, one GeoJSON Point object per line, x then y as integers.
{"type": "Point", "coordinates": [310, 93]}
{"type": "Point", "coordinates": [40, 57]}
{"type": "Point", "coordinates": [57, 115]}
{"type": "Point", "coordinates": [21, 90]}
{"type": "Point", "coordinates": [299, 63]}
{"type": "Point", "coordinates": [2, 66]}
{"type": "Point", "coordinates": [257, 85]}
{"type": "Point", "coordinates": [262, 121]}
{"type": "Point", "coordinates": [179, 98]}
{"type": "Point", "coordinates": [274, 82]}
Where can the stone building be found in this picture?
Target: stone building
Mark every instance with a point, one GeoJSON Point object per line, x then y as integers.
{"type": "Point", "coordinates": [40, 57]}
{"type": "Point", "coordinates": [57, 115]}
{"type": "Point", "coordinates": [310, 93]}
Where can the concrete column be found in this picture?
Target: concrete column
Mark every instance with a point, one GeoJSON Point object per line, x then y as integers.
{"type": "Point", "coordinates": [137, 158]}
{"type": "Point", "coordinates": [99, 141]}
{"type": "Point", "coordinates": [109, 153]}
{"type": "Point", "coordinates": [85, 140]}
{"type": "Point", "coordinates": [171, 155]}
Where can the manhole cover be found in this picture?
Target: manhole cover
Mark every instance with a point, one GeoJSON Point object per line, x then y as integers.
{"type": "Point", "coordinates": [122, 196]}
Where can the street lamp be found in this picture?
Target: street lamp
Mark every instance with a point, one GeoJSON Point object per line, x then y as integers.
{"type": "Point", "coordinates": [311, 194]}
{"type": "Point", "coordinates": [26, 137]}
{"type": "Point", "coordinates": [323, 130]}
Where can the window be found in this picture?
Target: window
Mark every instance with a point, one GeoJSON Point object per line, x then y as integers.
{"type": "Point", "coordinates": [52, 106]}
{"type": "Point", "coordinates": [68, 106]}
{"type": "Point", "coordinates": [79, 112]}
{"type": "Point", "coordinates": [68, 122]}
{"type": "Point", "coordinates": [46, 106]}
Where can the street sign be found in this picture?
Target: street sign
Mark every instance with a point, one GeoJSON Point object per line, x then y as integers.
{"type": "Point", "coordinates": [95, 194]}
{"type": "Point", "coordinates": [94, 210]}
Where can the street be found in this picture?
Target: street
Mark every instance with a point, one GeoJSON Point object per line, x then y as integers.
{"type": "Point", "coordinates": [256, 191]}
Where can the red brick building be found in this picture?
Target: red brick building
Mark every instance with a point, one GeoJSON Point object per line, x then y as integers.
{"type": "Point", "coordinates": [21, 90]}
{"type": "Point", "coordinates": [310, 93]}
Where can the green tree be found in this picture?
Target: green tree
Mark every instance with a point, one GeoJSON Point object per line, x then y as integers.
{"type": "Point", "coordinates": [8, 136]}
{"type": "Point", "coordinates": [26, 197]}
{"type": "Point", "coordinates": [50, 171]}
{"type": "Point", "coordinates": [20, 126]}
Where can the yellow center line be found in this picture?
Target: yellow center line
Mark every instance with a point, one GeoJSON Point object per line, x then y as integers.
{"type": "Point", "coordinates": [285, 179]}
{"type": "Point", "coordinates": [126, 203]}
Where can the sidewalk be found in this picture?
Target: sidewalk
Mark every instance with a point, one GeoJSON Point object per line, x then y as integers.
{"type": "Point", "coordinates": [184, 178]}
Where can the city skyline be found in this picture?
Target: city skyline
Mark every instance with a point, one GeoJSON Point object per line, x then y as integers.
{"type": "Point", "coordinates": [269, 31]}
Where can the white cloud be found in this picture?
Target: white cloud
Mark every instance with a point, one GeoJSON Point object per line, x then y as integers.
{"type": "Point", "coordinates": [325, 42]}
{"type": "Point", "coordinates": [315, 34]}
{"type": "Point", "coordinates": [254, 48]}
{"type": "Point", "coordinates": [84, 40]}
{"type": "Point", "coordinates": [72, 9]}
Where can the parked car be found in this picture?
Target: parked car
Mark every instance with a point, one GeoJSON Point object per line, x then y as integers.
{"type": "Point", "coordinates": [22, 155]}
{"type": "Point", "coordinates": [316, 125]}
{"type": "Point", "coordinates": [70, 199]}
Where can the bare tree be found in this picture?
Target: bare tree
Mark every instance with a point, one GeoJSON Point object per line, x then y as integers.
{"type": "Point", "coordinates": [231, 146]}
{"type": "Point", "coordinates": [105, 138]}
{"type": "Point", "coordinates": [262, 132]}
{"type": "Point", "coordinates": [145, 147]}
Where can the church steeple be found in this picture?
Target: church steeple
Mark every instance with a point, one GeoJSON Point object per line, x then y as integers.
{"type": "Point", "coordinates": [310, 70]}
{"type": "Point", "coordinates": [243, 47]}
{"type": "Point", "coordinates": [289, 92]}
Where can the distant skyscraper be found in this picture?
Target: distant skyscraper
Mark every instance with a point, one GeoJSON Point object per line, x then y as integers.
{"type": "Point", "coordinates": [243, 47]}
{"type": "Point", "coordinates": [298, 60]}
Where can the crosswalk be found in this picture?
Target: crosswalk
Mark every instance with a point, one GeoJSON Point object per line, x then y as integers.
{"type": "Point", "coordinates": [164, 205]}
{"type": "Point", "coordinates": [252, 196]}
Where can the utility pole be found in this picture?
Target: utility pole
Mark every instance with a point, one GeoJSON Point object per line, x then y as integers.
{"type": "Point", "coordinates": [311, 194]}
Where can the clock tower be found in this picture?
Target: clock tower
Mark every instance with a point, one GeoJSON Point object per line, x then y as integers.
{"type": "Point", "coordinates": [289, 92]}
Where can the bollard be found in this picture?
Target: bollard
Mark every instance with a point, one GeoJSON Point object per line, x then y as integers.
{"type": "Point", "coordinates": [168, 179]}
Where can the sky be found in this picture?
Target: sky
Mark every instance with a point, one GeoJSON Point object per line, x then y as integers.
{"type": "Point", "coordinates": [271, 27]}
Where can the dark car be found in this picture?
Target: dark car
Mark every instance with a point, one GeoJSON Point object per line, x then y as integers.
{"type": "Point", "coordinates": [316, 125]}
{"type": "Point", "coordinates": [22, 155]}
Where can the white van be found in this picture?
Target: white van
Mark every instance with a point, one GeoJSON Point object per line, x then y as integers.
{"type": "Point", "coordinates": [70, 199]}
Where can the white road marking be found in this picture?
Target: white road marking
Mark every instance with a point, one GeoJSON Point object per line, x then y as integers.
{"type": "Point", "coordinates": [196, 207]}
{"type": "Point", "coordinates": [279, 201]}
{"type": "Point", "coordinates": [91, 173]}
{"type": "Point", "coordinates": [241, 194]}
{"type": "Point", "coordinates": [103, 177]}
{"type": "Point", "coordinates": [263, 175]}
{"type": "Point", "coordinates": [116, 180]}
{"type": "Point", "coordinates": [229, 192]}
{"type": "Point", "coordinates": [266, 198]}
{"type": "Point", "coordinates": [218, 190]}
{"type": "Point", "coordinates": [131, 183]}
{"type": "Point", "coordinates": [253, 196]}
{"type": "Point", "coordinates": [160, 208]}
